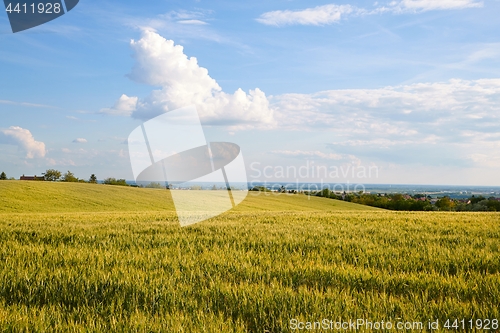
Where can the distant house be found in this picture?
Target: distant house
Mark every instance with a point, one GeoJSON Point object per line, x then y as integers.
{"type": "Point", "coordinates": [35, 177]}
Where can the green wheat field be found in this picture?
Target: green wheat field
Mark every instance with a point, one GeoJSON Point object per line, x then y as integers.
{"type": "Point", "coordinates": [96, 258]}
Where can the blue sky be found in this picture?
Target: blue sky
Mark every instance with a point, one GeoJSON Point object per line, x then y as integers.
{"type": "Point", "coordinates": [409, 87]}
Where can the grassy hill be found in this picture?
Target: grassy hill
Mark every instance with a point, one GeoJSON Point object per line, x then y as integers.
{"type": "Point", "coordinates": [259, 201]}
{"type": "Point", "coordinates": [49, 197]}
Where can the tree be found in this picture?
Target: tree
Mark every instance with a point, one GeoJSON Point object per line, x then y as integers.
{"type": "Point", "coordinates": [114, 181]}
{"type": "Point", "coordinates": [3, 176]}
{"type": "Point", "coordinates": [93, 179]}
{"type": "Point", "coordinates": [475, 200]}
{"type": "Point", "coordinates": [69, 177]}
{"type": "Point", "coordinates": [52, 175]}
{"type": "Point", "coordinates": [445, 203]}
{"type": "Point", "coordinates": [154, 185]}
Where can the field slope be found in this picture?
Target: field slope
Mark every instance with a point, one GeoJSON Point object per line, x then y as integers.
{"type": "Point", "coordinates": [40, 197]}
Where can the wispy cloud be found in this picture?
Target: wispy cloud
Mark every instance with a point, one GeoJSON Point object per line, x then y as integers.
{"type": "Point", "coordinates": [81, 120]}
{"type": "Point", "coordinates": [187, 24]}
{"type": "Point", "coordinates": [180, 24]}
{"type": "Point", "coordinates": [193, 22]}
{"type": "Point", "coordinates": [320, 15]}
{"type": "Point", "coordinates": [427, 5]}
{"type": "Point", "coordinates": [332, 13]}
{"type": "Point", "coordinates": [315, 154]}
{"type": "Point", "coordinates": [189, 14]}
{"type": "Point", "coordinates": [33, 105]}
{"type": "Point", "coordinates": [198, 17]}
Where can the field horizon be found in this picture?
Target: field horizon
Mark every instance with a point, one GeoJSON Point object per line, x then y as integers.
{"type": "Point", "coordinates": [44, 197]}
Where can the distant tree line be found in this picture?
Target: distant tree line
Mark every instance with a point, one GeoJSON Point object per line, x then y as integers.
{"type": "Point", "coordinates": [418, 202]}
{"type": "Point", "coordinates": [478, 204]}
{"type": "Point", "coordinates": [394, 201]}
{"type": "Point", "coordinates": [114, 181]}
{"type": "Point", "coordinates": [53, 175]}
{"type": "Point", "coordinates": [56, 175]}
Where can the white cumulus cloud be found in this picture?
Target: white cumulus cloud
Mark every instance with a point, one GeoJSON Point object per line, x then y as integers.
{"type": "Point", "coordinates": [124, 106]}
{"type": "Point", "coordinates": [23, 138]}
{"type": "Point", "coordinates": [80, 140]}
{"type": "Point", "coordinates": [183, 82]}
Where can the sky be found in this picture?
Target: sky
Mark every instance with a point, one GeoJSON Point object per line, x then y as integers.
{"type": "Point", "coordinates": [386, 92]}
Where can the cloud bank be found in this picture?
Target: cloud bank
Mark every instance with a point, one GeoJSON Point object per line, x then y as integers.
{"type": "Point", "coordinates": [23, 138]}
{"type": "Point", "coordinates": [404, 111]}
{"type": "Point", "coordinates": [454, 122]}
{"type": "Point", "coordinates": [459, 117]}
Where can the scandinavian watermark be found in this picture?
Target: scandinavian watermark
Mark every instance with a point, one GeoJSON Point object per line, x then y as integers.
{"type": "Point", "coordinates": [311, 177]}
